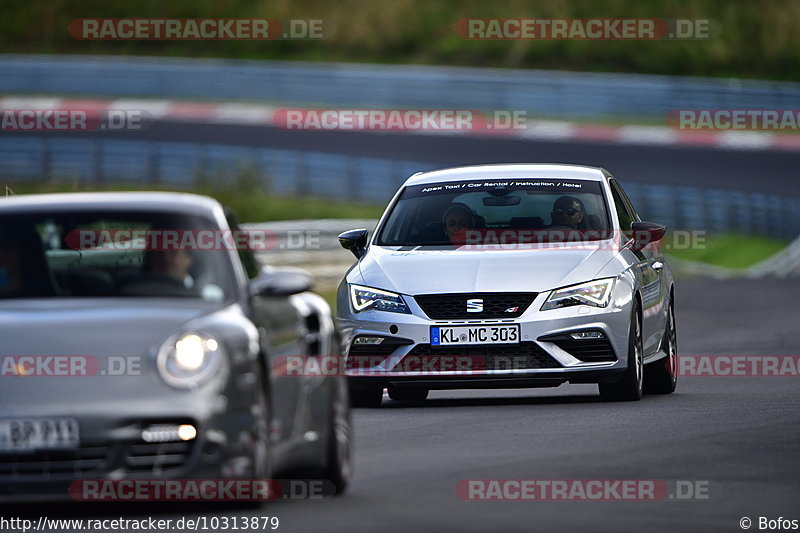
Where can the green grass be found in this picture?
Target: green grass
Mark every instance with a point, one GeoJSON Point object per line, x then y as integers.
{"type": "Point", "coordinates": [755, 39]}
{"type": "Point", "coordinates": [732, 250]}
{"type": "Point", "coordinates": [249, 202]}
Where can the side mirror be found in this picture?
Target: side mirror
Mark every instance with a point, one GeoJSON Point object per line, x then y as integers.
{"type": "Point", "coordinates": [645, 233]}
{"type": "Point", "coordinates": [281, 282]}
{"type": "Point", "coordinates": [354, 240]}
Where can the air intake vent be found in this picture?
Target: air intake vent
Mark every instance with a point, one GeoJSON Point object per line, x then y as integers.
{"type": "Point", "coordinates": [476, 305]}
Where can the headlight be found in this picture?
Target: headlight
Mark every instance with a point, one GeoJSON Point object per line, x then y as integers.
{"type": "Point", "coordinates": [190, 359]}
{"type": "Point", "coordinates": [595, 293]}
{"type": "Point", "coordinates": [368, 298]}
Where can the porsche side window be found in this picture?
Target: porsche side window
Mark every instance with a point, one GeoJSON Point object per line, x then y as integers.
{"type": "Point", "coordinates": [248, 259]}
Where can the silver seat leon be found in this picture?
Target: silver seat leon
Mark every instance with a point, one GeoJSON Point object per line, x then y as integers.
{"type": "Point", "coordinates": [506, 276]}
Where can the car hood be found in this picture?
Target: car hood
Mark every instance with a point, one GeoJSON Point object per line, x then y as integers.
{"type": "Point", "coordinates": [120, 335]}
{"type": "Point", "coordinates": [92, 326]}
{"type": "Point", "coordinates": [523, 269]}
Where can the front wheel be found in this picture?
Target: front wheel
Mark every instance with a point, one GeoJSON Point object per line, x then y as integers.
{"type": "Point", "coordinates": [629, 387]}
{"type": "Point", "coordinates": [339, 453]}
{"type": "Point", "coordinates": [661, 377]}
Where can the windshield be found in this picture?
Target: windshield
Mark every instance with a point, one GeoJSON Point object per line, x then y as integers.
{"type": "Point", "coordinates": [109, 254]}
{"type": "Point", "coordinates": [531, 210]}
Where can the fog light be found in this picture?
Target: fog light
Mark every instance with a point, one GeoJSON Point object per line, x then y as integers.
{"type": "Point", "coordinates": [187, 432]}
{"type": "Point", "coordinates": [169, 433]}
{"type": "Point", "coordinates": [368, 340]}
{"type": "Point", "coordinates": [587, 335]}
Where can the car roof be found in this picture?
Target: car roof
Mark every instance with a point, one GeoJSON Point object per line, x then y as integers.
{"type": "Point", "coordinates": [114, 201]}
{"type": "Point", "coordinates": [527, 170]}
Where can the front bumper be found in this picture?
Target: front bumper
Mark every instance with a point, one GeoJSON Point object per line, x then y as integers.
{"type": "Point", "coordinates": [543, 362]}
{"type": "Point", "coordinates": [111, 418]}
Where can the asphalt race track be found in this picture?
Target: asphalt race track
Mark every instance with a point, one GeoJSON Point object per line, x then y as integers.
{"type": "Point", "coordinates": [741, 435]}
{"type": "Point", "coordinates": [773, 172]}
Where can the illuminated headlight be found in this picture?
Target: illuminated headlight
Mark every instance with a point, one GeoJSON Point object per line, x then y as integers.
{"type": "Point", "coordinates": [368, 298]}
{"type": "Point", "coordinates": [595, 293]}
{"type": "Point", "coordinates": [189, 360]}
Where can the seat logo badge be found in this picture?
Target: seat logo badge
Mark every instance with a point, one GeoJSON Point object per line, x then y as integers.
{"type": "Point", "coordinates": [512, 310]}
{"type": "Point", "coordinates": [475, 305]}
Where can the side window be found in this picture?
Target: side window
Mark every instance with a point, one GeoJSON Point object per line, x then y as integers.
{"type": "Point", "coordinates": [625, 216]}
{"type": "Point", "coordinates": [246, 256]}
{"type": "Point", "coordinates": [631, 208]}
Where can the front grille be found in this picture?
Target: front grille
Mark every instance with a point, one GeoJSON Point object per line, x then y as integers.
{"type": "Point", "coordinates": [156, 457]}
{"type": "Point", "coordinates": [587, 350]}
{"type": "Point", "coordinates": [83, 462]}
{"type": "Point", "coordinates": [525, 355]}
{"type": "Point", "coordinates": [94, 461]}
{"type": "Point", "coordinates": [495, 304]}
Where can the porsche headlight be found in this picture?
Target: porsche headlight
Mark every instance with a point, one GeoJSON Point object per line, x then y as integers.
{"type": "Point", "coordinates": [596, 293]}
{"type": "Point", "coordinates": [189, 360]}
{"type": "Point", "coordinates": [364, 298]}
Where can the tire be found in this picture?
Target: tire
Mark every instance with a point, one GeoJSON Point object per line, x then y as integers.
{"type": "Point", "coordinates": [629, 387]}
{"type": "Point", "coordinates": [262, 460]}
{"type": "Point", "coordinates": [661, 377]}
{"type": "Point", "coordinates": [407, 395]}
{"type": "Point", "coordinates": [371, 397]}
{"type": "Point", "coordinates": [339, 461]}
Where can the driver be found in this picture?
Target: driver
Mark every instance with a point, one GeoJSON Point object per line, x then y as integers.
{"type": "Point", "coordinates": [164, 273]}
{"type": "Point", "coordinates": [172, 263]}
{"type": "Point", "coordinates": [567, 213]}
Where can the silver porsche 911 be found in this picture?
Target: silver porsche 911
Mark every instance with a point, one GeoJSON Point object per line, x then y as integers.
{"type": "Point", "coordinates": [499, 276]}
{"type": "Point", "coordinates": [138, 341]}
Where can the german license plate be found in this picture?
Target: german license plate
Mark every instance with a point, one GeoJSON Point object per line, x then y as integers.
{"type": "Point", "coordinates": [28, 434]}
{"type": "Point", "coordinates": [471, 335]}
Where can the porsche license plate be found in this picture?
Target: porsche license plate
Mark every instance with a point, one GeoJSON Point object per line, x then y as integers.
{"type": "Point", "coordinates": [29, 434]}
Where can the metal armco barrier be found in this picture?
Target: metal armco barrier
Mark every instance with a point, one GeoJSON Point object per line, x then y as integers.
{"type": "Point", "coordinates": [546, 93]}
{"type": "Point", "coordinates": [345, 177]}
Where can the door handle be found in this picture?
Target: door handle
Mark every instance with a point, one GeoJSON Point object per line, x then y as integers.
{"type": "Point", "coordinates": [657, 265]}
